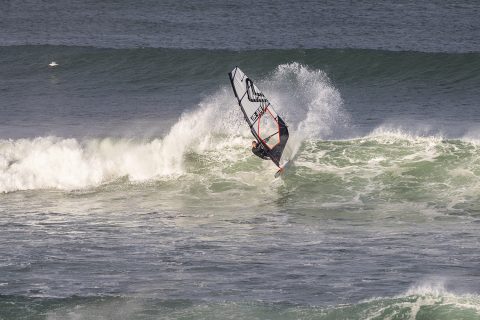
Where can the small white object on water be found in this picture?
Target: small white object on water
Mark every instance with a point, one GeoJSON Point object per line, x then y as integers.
{"type": "Point", "coordinates": [53, 64]}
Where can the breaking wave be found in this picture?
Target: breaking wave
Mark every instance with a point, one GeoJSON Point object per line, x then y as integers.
{"type": "Point", "coordinates": [422, 302]}
{"type": "Point", "coordinates": [212, 142]}
{"type": "Point", "coordinates": [312, 108]}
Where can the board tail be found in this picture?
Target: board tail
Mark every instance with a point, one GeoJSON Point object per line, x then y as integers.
{"type": "Point", "coordinates": [282, 169]}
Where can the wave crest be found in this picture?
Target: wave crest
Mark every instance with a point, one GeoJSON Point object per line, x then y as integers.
{"type": "Point", "coordinates": [52, 162]}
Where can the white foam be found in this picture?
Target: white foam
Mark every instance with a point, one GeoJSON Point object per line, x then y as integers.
{"type": "Point", "coordinates": [435, 287]}
{"type": "Point", "coordinates": [310, 105]}
{"type": "Point", "coordinates": [309, 101]}
{"type": "Point", "coordinates": [424, 294]}
{"type": "Point", "coordinates": [51, 162]}
{"type": "Point", "coordinates": [388, 134]}
{"type": "Point", "coordinates": [433, 292]}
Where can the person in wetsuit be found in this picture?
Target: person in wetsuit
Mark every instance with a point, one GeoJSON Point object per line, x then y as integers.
{"type": "Point", "coordinates": [258, 150]}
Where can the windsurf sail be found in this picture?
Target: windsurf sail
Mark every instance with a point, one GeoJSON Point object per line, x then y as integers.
{"type": "Point", "coordinates": [266, 125]}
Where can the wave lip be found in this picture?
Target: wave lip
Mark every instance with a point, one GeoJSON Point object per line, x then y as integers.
{"type": "Point", "coordinates": [429, 300]}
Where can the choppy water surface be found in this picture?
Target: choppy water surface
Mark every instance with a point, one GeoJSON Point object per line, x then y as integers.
{"type": "Point", "coordinates": [128, 190]}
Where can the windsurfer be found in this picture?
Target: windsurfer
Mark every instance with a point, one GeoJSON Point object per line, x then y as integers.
{"type": "Point", "coordinates": [259, 151]}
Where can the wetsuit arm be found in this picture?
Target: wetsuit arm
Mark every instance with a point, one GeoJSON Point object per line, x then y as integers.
{"type": "Point", "coordinates": [260, 152]}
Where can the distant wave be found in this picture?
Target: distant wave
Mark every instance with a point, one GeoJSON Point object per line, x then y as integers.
{"type": "Point", "coordinates": [424, 302]}
{"type": "Point", "coordinates": [147, 67]}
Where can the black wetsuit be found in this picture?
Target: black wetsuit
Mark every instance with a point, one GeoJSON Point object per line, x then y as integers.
{"type": "Point", "coordinates": [260, 152]}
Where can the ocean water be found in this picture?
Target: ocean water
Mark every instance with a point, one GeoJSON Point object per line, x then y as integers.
{"type": "Point", "coordinates": [128, 189]}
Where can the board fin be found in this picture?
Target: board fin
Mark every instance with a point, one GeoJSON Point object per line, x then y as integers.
{"type": "Point", "coordinates": [282, 169]}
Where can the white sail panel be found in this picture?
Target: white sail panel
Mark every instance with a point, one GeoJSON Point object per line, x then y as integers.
{"type": "Point", "coordinates": [267, 129]}
{"type": "Point", "coordinates": [266, 126]}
